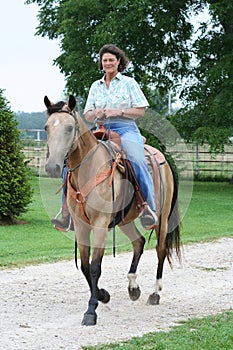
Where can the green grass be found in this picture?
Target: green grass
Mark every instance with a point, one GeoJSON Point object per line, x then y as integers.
{"type": "Point", "coordinates": [209, 333]}
{"type": "Point", "coordinates": [209, 217]}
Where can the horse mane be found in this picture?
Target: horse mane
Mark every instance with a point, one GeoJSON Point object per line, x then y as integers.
{"type": "Point", "coordinates": [53, 108]}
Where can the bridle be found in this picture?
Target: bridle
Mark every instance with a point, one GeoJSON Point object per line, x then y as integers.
{"type": "Point", "coordinates": [78, 133]}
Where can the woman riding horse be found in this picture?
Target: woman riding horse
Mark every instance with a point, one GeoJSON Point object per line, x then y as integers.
{"type": "Point", "coordinates": [89, 197]}
{"type": "Point", "coordinates": [118, 101]}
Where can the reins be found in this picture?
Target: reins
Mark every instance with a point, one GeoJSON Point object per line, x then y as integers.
{"type": "Point", "coordinates": [70, 170]}
{"type": "Point", "coordinates": [77, 131]}
{"type": "Point", "coordinates": [113, 196]}
{"type": "Point", "coordinates": [112, 166]}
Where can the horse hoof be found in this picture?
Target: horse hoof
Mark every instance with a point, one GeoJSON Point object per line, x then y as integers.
{"type": "Point", "coordinates": [153, 299]}
{"type": "Point", "coordinates": [134, 293]}
{"type": "Point", "coordinates": [89, 319]}
{"type": "Point", "coordinates": [103, 296]}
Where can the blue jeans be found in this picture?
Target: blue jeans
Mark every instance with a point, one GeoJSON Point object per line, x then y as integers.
{"type": "Point", "coordinates": [132, 144]}
{"type": "Point", "coordinates": [64, 188]}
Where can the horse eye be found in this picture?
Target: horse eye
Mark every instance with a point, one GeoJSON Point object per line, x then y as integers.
{"type": "Point", "coordinates": [46, 127]}
{"type": "Point", "coordinates": [69, 128]}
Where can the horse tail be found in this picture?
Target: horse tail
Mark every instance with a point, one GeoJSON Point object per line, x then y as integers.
{"type": "Point", "coordinates": [173, 232]}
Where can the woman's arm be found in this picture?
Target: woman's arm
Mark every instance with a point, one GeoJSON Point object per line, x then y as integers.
{"type": "Point", "coordinates": [99, 113]}
{"type": "Point", "coordinates": [131, 113]}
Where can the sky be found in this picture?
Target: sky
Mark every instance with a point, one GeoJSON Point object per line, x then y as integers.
{"type": "Point", "coordinates": [27, 72]}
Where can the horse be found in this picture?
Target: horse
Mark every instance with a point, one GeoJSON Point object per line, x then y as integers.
{"type": "Point", "coordinates": [90, 200]}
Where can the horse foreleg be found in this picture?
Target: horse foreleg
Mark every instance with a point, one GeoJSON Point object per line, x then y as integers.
{"type": "Point", "coordinates": [138, 242]}
{"type": "Point", "coordinates": [90, 316]}
{"type": "Point", "coordinates": [102, 294]}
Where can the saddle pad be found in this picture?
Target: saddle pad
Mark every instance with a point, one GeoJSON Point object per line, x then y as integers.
{"type": "Point", "coordinates": [155, 159]}
{"type": "Point", "coordinates": [151, 151]}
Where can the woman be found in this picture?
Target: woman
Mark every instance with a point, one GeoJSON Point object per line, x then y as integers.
{"type": "Point", "coordinates": [118, 100]}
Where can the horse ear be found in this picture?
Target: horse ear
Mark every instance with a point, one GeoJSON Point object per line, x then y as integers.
{"type": "Point", "coordinates": [47, 102]}
{"type": "Point", "coordinates": [72, 102]}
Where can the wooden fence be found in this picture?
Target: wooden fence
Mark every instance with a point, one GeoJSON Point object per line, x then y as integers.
{"type": "Point", "coordinates": [200, 162]}
{"type": "Point", "coordinates": [205, 164]}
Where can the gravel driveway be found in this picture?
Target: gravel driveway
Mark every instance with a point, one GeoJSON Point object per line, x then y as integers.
{"type": "Point", "coordinates": [42, 306]}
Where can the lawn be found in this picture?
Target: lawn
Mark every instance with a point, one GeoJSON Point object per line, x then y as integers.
{"type": "Point", "coordinates": [208, 217]}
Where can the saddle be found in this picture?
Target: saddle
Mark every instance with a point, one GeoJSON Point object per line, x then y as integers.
{"type": "Point", "coordinates": [102, 134]}
{"type": "Point", "coordinates": [154, 159]}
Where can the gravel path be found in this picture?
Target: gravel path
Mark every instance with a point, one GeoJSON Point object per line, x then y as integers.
{"type": "Point", "coordinates": [42, 306]}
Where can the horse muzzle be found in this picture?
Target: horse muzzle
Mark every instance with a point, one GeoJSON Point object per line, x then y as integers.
{"type": "Point", "coordinates": [53, 170]}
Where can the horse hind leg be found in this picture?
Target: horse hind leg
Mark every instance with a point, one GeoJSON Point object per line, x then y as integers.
{"type": "Point", "coordinates": [154, 298]}
{"type": "Point", "coordinates": [138, 242]}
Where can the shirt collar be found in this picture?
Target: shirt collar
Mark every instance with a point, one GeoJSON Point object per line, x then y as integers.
{"type": "Point", "coordinates": [118, 77]}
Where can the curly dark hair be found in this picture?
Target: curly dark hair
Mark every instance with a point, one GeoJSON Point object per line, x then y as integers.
{"type": "Point", "coordinates": [114, 50]}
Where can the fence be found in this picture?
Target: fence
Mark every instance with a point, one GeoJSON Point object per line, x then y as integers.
{"type": "Point", "coordinates": [34, 148]}
{"type": "Point", "coordinates": [200, 161]}
{"type": "Point", "coordinates": [206, 164]}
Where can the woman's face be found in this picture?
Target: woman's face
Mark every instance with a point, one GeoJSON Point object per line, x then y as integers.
{"type": "Point", "coordinates": [110, 63]}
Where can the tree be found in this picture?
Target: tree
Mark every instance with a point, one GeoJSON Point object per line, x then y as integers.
{"type": "Point", "coordinates": [168, 52]}
{"type": "Point", "coordinates": [208, 113]}
{"type": "Point", "coordinates": [15, 189]}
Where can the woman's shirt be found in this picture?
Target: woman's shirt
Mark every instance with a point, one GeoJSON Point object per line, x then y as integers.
{"type": "Point", "coordinates": [124, 92]}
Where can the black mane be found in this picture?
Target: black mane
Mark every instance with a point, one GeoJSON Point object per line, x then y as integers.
{"type": "Point", "coordinates": [55, 107]}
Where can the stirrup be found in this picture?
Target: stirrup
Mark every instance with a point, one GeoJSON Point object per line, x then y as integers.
{"type": "Point", "coordinates": [148, 218]}
{"type": "Point", "coordinates": [59, 228]}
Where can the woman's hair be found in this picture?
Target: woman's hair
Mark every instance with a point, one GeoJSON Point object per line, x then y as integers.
{"type": "Point", "coordinates": [114, 50]}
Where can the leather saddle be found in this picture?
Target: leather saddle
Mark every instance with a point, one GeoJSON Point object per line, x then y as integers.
{"type": "Point", "coordinates": [154, 159]}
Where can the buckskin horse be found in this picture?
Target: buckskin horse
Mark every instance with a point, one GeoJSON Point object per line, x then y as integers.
{"type": "Point", "coordinates": [90, 200]}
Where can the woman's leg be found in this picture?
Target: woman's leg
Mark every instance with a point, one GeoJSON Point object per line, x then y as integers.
{"type": "Point", "coordinates": [132, 143]}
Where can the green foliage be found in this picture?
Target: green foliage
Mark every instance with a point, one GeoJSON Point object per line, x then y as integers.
{"type": "Point", "coordinates": [15, 190]}
{"type": "Point", "coordinates": [193, 128]}
{"type": "Point", "coordinates": [208, 114]}
{"type": "Point", "coordinates": [29, 121]}
{"type": "Point", "coordinates": [35, 120]}
{"type": "Point", "coordinates": [167, 52]}
{"type": "Point", "coordinates": [37, 240]}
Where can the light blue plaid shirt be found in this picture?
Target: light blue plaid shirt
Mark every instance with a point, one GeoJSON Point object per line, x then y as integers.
{"type": "Point", "coordinates": [123, 92]}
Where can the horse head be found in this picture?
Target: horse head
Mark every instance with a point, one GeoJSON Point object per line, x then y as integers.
{"type": "Point", "coordinates": [61, 132]}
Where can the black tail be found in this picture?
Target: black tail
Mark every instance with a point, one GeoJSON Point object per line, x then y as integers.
{"type": "Point", "coordinates": [173, 233]}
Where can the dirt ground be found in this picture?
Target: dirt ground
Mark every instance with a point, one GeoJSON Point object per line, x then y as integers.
{"type": "Point", "coordinates": [42, 306]}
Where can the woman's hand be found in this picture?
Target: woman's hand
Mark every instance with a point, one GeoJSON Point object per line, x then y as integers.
{"type": "Point", "coordinates": [112, 113]}
{"type": "Point", "coordinates": [100, 113]}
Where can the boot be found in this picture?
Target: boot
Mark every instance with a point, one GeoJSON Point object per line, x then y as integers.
{"type": "Point", "coordinates": [148, 218]}
{"type": "Point", "coordinates": [65, 223]}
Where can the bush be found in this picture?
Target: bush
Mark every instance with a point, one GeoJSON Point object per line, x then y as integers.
{"type": "Point", "coordinates": [15, 189]}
